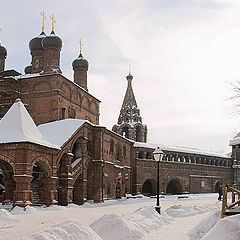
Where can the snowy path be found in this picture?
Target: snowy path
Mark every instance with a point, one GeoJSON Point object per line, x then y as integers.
{"type": "Point", "coordinates": [40, 219]}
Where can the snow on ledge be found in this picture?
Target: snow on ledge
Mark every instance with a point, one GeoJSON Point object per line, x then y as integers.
{"type": "Point", "coordinates": [181, 149]}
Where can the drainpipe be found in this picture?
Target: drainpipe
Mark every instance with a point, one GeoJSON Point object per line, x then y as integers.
{"type": "Point", "coordinates": [102, 159]}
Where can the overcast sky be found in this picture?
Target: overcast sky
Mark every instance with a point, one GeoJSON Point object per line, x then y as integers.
{"type": "Point", "coordinates": [184, 56]}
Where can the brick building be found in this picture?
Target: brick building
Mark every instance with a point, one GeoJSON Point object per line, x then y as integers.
{"type": "Point", "coordinates": [182, 169]}
{"type": "Point", "coordinates": [53, 150]}
{"type": "Point", "coordinates": [69, 157]}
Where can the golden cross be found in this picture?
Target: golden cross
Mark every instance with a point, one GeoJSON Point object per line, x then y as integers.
{"type": "Point", "coordinates": [129, 69]}
{"type": "Point", "coordinates": [43, 19]}
{"type": "Point", "coordinates": [81, 44]}
{"type": "Point", "coordinates": [53, 21]}
{"type": "Point", "coordinates": [0, 29]}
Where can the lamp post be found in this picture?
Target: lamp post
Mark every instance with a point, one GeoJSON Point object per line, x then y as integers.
{"type": "Point", "coordinates": [158, 155]}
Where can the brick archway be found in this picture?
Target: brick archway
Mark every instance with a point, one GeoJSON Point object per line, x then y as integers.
{"type": "Point", "coordinates": [41, 183]}
{"type": "Point", "coordinates": [149, 187]}
{"type": "Point", "coordinates": [174, 186]}
{"type": "Point", "coordinates": [7, 183]}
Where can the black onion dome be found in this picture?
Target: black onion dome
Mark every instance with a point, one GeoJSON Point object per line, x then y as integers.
{"type": "Point", "coordinates": [80, 62]}
{"type": "Point", "coordinates": [129, 76]}
{"type": "Point", "coordinates": [52, 41]}
{"type": "Point", "coordinates": [28, 69]}
{"type": "Point", "coordinates": [3, 51]}
{"type": "Point", "coordinates": [36, 43]}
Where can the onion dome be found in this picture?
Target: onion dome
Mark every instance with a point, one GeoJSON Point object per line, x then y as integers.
{"type": "Point", "coordinates": [3, 51]}
{"type": "Point", "coordinates": [36, 43]}
{"type": "Point", "coordinates": [52, 41]}
{"type": "Point", "coordinates": [129, 76]}
{"type": "Point", "coordinates": [80, 62]}
{"type": "Point", "coordinates": [28, 69]}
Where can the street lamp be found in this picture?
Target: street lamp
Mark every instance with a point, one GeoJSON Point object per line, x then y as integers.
{"type": "Point", "coordinates": [158, 155]}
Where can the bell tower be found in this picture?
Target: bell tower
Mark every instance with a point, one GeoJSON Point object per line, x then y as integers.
{"type": "Point", "coordinates": [130, 121]}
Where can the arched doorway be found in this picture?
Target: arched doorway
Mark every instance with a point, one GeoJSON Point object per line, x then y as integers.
{"type": "Point", "coordinates": [39, 172]}
{"type": "Point", "coordinates": [174, 187]}
{"type": "Point", "coordinates": [118, 190]}
{"type": "Point", "coordinates": [217, 186]}
{"type": "Point", "coordinates": [78, 191]}
{"type": "Point", "coordinates": [149, 187]}
{"type": "Point", "coordinates": [7, 184]}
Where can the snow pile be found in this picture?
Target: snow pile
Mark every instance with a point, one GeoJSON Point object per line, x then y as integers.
{"type": "Point", "coordinates": [205, 225]}
{"type": "Point", "coordinates": [7, 220]}
{"type": "Point", "coordinates": [133, 226]}
{"type": "Point", "coordinates": [68, 230]}
{"type": "Point", "coordinates": [226, 228]}
{"type": "Point", "coordinates": [19, 210]}
{"type": "Point", "coordinates": [185, 211]}
{"type": "Point", "coordinates": [113, 226]}
{"type": "Point", "coordinates": [148, 219]}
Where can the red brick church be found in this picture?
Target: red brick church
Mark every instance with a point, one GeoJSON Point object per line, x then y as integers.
{"type": "Point", "coordinates": [53, 150]}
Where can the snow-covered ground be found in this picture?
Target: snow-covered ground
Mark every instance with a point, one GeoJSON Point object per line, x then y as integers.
{"type": "Point", "coordinates": [191, 218]}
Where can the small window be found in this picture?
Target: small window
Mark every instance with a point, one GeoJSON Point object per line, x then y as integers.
{"type": "Point", "coordinates": [108, 188]}
{"type": "Point", "coordinates": [111, 147]}
{"type": "Point", "coordinates": [118, 152]}
{"type": "Point", "coordinates": [124, 151]}
{"type": "Point", "coordinates": [63, 112]}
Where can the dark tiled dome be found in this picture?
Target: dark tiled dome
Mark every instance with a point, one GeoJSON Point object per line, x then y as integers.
{"type": "Point", "coordinates": [52, 41]}
{"type": "Point", "coordinates": [36, 43]}
{"type": "Point", "coordinates": [3, 51]}
{"type": "Point", "coordinates": [129, 76]}
{"type": "Point", "coordinates": [80, 62]}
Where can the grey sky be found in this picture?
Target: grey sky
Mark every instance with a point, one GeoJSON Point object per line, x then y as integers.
{"type": "Point", "coordinates": [184, 54]}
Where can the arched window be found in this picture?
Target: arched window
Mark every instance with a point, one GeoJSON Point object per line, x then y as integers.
{"type": "Point", "coordinates": [77, 149]}
{"type": "Point", "coordinates": [140, 155]}
{"type": "Point", "coordinates": [125, 132]}
{"type": "Point", "coordinates": [138, 134]}
{"type": "Point", "coordinates": [118, 152]}
{"type": "Point", "coordinates": [111, 147]}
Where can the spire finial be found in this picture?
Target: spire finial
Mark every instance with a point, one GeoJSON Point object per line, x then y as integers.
{"type": "Point", "coordinates": [53, 22]}
{"type": "Point", "coordinates": [129, 69]}
{"type": "Point", "coordinates": [81, 44]}
{"type": "Point", "coordinates": [43, 20]}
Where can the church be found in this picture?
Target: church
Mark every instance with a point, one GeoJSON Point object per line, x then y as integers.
{"type": "Point", "coordinates": [53, 149]}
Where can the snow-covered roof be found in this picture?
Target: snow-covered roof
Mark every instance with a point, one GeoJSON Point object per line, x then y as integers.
{"type": "Point", "coordinates": [235, 140]}
{"type": "Point", "coordinates": [181, 149]}
{"type": "Point", "coordinates": [58, 132]}
{"type": "Point", "coordinates": [18, 126]}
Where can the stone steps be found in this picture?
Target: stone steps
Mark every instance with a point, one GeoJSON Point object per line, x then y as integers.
{"type": "Point", "coordinates": [34, 187]}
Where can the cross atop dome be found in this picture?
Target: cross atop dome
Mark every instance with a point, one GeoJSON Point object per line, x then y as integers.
{"type": "Point", "coordinates": [43, 20]}
{"type": "Point", "coordinates": [53, 22]}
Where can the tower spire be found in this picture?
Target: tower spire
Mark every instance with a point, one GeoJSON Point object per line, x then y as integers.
{"type": "Point", "coordinates": [130, 121]}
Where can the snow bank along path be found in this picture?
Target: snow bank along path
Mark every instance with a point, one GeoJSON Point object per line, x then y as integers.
{"type": "Point", "coordinates": [39, 220]}
{"type": "Point", "coordinates": [7, 220]}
